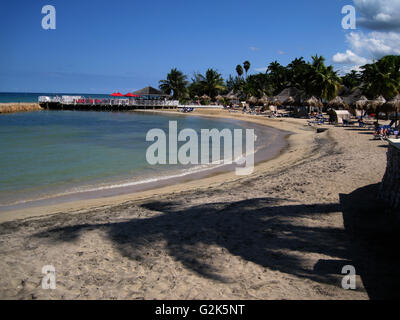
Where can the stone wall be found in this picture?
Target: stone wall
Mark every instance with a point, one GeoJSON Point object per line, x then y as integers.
{"type": "Point", "coordinates": [390, 187]}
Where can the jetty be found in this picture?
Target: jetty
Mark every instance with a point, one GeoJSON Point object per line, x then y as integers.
{"type": "Point", "coordinates": [146, 98]}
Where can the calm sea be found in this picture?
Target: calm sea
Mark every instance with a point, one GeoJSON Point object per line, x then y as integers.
{"type": "Point", "coordinates": [45, 154]}
{"type": "Point", "coordinates": [6, 97]}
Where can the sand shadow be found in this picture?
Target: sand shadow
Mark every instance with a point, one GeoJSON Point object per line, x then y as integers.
{"type": "Point", "coordinates": [257, 230]}
{"type": "Point", "coordinates": [373, 231]}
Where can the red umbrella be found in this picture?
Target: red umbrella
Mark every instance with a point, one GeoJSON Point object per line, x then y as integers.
{"type": "Point", "coordinates": [116, 94]}
{"type": "Point", "coordinates": [131, 95]}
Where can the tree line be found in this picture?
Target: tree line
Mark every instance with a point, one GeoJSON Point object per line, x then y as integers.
{"type": "Point", "coordinates": [313, 78]}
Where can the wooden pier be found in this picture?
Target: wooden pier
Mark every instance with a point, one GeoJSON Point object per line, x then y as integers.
{"type": "Point", "coordinates": [78, 103]}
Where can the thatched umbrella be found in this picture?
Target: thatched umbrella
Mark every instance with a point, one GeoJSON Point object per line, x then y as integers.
{"type": "Point", "coordinates": [205, 97]}
{"type": "Point", "coordinates": [361, 103]}
{"type": "Point", "coordinates": [313, 102]}
{"type": "Point", "coordinates": [394, 104]}
{"type": "Point", "coordinates": [377, 103]}
{"type": "Point", "coordinates": [219, 98]}
{"type": "Point", "coordinates": [263, 100]}
{"type": "Point", "coordinates": [289, 101]}
{"type": "Point", "coordinates": [338, 103]}
{"type": "Point", "coordinates": [252, 100]}
{"type": "Point", "coordinates": [274, 102]}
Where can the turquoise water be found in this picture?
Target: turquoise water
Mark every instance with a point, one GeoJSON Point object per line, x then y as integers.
{"type": "Point", "coordinates": [49, 153]}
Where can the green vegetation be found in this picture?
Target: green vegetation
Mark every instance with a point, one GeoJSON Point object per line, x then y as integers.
{"type": "Point", "coordinates": [313, 78]}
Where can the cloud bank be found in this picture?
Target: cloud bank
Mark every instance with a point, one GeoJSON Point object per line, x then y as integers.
{"type": "Point", "coordinates": [381, 21]}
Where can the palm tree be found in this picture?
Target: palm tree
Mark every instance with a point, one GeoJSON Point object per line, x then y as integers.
{"type": "Point", "coordinates": [278, 75]}
{"type": "Point", "coordinates": [212, 83]}
{"type": "Point", "coordinates": [239, 70]}
{"type": "Point", "coordinates": [246, 66]}
{"type": "Point", "coordinates": [382, 77]}
{"type": "Point", "coordinates": [322, 82]}
{"type": "Point", "coordinates": [175, 83]}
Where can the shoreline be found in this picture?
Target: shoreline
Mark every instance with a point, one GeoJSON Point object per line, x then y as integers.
{"type": "Point", "coordinates": [186, 183]}
{"type": "Point", "coordinates": [284, 232]}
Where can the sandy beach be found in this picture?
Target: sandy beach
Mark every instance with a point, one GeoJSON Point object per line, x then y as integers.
{"type": "Point", "coordinates": [285, 232]}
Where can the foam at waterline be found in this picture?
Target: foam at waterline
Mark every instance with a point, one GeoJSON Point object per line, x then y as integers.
{"type": "Point", "coordinates": [185, 172]}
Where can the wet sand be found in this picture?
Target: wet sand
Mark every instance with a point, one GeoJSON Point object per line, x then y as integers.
{"type": "Point", "coordinates": [285, 232]}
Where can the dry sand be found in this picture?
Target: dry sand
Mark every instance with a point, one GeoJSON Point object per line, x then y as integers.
{"type": "Point", "coordinates": [284, 232]}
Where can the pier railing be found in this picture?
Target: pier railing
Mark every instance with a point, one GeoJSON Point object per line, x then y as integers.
{"type": "Point", "coordinates": [71, 101]}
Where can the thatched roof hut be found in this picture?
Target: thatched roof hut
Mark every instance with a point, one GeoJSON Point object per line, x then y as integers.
{"type": "Point", "coordinates": [338, 103]}
{"type": "Point", "coordinates": [352, 98]}
{"type": "Point", "coordinates": [377, 103]}
{"type": "Point", "coordinates": [313, 102]}
{"type": "Point", "coordinates": [149, 91]}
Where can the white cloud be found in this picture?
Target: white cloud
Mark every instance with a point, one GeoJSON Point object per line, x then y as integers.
{"type": "Point", "coordinates": [263, 69]}
{"type": "Point", "coordinates": [343, 70]}
{"type": "Point", "coordinates": [378, 14]}
{"type": "Point", "coordinates": [349, 58]}
{"type": "Point", "coordinates": [254, 48]}
{"type": "Point", "coordinates": [376, 44]}
{"type": "Point", "coordinates": [281, 52]}
{"type": "Point", "coordinates": [382, 18]}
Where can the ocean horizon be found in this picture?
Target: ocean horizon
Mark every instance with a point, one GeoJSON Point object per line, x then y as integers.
{"type": "Point", "coordinates": [31, 97]}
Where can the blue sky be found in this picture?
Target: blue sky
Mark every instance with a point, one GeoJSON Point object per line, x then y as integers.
{"type": "Point", "coordinates": [103, 46]}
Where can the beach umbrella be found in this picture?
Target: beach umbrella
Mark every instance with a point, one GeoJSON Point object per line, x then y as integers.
{"type": "Point", "coordinates": [219, 98]}
{"type": "Point", "coordinates": [252, 100]}
{"type": "Point", "coordinates": [131, 95]}
{"type": "Point", "coordinates": [394, 104]}
{"type": "Point", "coordinates": [313, 102]}
{"type": "Point", "coordinates": [205, 97]}
{"type": "Point", "coordinates": [377, 103]}
{"type": "Point", "coordinates": [338, 103]}
{"type": "Point", "coordinates": [116, 94]}
{"type": "Point", "coordinates": [361, 103]}
{"type": "Point", "coordinates": [274, 102]}
{"type": "Point", "coordinates": [263, 100]}
{"type": "Point", "coordinates": [231, 96]}
{"type": "Point", "coordinates": [289, 101]}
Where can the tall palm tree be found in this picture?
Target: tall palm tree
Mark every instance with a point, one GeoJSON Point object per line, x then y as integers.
{"type": "Point", "coordinates": [175, 83]}
{"type": "Point", "coordinates": [211, 83]}
{"type": "Point", "coordinates": [246, 66]}
{"type": "Point", "coordinates": [239, 70]}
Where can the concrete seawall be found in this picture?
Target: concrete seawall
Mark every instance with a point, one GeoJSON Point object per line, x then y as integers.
{"type": "Point", "coordinates": [390, 187]}
{"type": "Point", "coordinates": [19, 107]}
